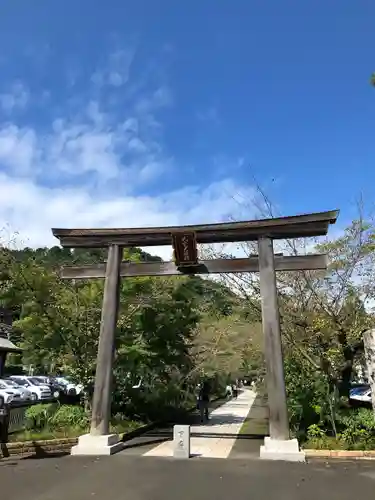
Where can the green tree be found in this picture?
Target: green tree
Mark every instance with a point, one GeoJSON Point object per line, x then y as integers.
{"type": "Point", "coordinates": [58, 325]}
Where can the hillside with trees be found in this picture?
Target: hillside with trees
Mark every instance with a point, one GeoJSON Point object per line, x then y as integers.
{"type": "Point", "coordinates": [170, 332]}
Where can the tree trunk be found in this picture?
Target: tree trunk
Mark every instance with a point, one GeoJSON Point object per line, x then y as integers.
{"type": "Point", "coordinates": [347, 370]}
{"type": "Point", "coordinates": [369, 344]}
{"type": "Point", "coordinates": [346, 376]}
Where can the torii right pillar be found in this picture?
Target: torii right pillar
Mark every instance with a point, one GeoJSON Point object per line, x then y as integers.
{"type": "Point", "coordinates": [278, 445]}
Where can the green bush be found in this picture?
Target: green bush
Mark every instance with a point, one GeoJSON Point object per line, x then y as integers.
{"type": "Point", "coordinates": [68, 416]}
{"type": "Point", "coordinates": [315, 432]}
{"type": "Point", "coordinates": [357, 429]}
{"type": "Point", "coordinates": [306, 396]}
{"type": "Point", "coordinates": [356, 432]}
{"type": "Point", "coordinates": [39, 416]}
{"type": "Point", "coordinates": [317, 438]}
{"type": "Point", "coordinates": [362, 418]}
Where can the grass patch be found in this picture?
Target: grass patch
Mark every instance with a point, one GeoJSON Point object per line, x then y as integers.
{"type": "Point", "coordinates": [44, 434]}
{"type": "Point", "coordinates": [72, 432]}
{"type": "Point", "coordinates": [256, 427]}
{"type": "Point", "coordinates": [332, 443]}
{"type": "Point", "coordinates": [256, 423]}
{"type": "Point", "coordinates": [327, 443]}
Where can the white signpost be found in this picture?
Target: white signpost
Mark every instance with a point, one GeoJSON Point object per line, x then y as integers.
{"type": "Point", "coordinates": [181, 441]}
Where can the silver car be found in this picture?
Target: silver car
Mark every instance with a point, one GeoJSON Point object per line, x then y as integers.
{"type": "Point", "coordinates": [14, 392]}
{"type": "Point", "coordinates": [24, 391]}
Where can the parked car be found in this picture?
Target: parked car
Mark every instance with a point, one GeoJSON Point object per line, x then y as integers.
{"type": "Point", "coordinates": [6, 395]}
{"type": "Point", "coordinates": [360, 395]}
{"type": "Point", "coordinates": [38, 390]}
{"type": "Point", "coordinates": [24, 392]}
{"type": "Point", "coordinates": [10, 394]}
{"type": "Point", "coordinates": [57, 389]}
{"type": "Point", "coordinates": [71, 388]}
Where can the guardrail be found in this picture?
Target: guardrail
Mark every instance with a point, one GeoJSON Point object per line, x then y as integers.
{"type": "Point", "coordinates": [17, 417]}
{"type": "Point", "coordinates": [13, 418]}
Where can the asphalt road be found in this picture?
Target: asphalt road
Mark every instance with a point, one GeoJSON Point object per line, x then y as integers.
{"type": "Point", "coordinates": [141, 478]}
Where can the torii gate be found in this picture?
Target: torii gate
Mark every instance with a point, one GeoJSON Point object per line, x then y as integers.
{"type": "Point", "coordinates": [184, 240]}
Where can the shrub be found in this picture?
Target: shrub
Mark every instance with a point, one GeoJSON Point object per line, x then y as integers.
{"type": "Point", "coordinates": [68, 416]}
{"type": "Point", "coordinates": [356, 432]}
{"type": "Point", "coordinates": [357, 428]}
{"type": "Point", "coordinates": [316, 438]}
{"type": "Point", "coordinates": [315, 432]}
{"type": "Point", "coordinates": [362, 418]}
{"type": "Point", "coordinates": [306, 396]}
{"type": "Point", "coordinates": [39, 416]}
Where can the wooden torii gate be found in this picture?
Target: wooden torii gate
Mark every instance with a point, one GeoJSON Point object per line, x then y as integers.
{"type": "Point", "coordinates": [184, 240]}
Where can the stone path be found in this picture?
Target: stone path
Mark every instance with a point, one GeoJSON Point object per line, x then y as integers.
{"type": "Point", "coordinates": [216, 438]}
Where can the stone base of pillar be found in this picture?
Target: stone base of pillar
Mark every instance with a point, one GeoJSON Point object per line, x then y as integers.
{"type": "Point", "coordinates": [288, 450]}
{"type": "Point", "coordinates": [89, 444]}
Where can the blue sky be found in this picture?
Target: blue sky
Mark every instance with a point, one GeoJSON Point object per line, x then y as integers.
{"type": "Point", "coordinates": [122, 113]}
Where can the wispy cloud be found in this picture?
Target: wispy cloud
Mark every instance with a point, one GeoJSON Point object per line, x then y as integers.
{"type": "Point", "coordinates": [94, 140]}
{"type": "Point", "coordinates": [210, 114]}
{"type": "Point", "coordinates": [16, 98]}
{"type": "Point", "coordinates": [116, 71]}
{"type": "Point", "coordinates": [18, 148]}
{"type": "Point", "coordinates": [91, 164]}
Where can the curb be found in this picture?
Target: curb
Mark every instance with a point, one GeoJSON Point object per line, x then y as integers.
{"type": "Point", "coordinates": [42, 448]}
{"type": "Point", "coordinates": [341, 454]}
{"type": "Point", "coordinates": [36, 448]}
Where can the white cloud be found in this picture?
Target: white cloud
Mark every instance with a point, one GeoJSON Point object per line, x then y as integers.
{"type": "Point", "coordinates": [91, 142]}
{"type": "Point", "coordinates": [16, 98]}
{"type": "Point", "coordinates": [18, 148]}
{"type": "Point", "coordinates": [116, 72]}
{"type": "Point", "coordinates": [159, 98]}
{"type": "Point", "coordinates": [88, 169]}
{"type": "Point", "coordinates": [32, 210]}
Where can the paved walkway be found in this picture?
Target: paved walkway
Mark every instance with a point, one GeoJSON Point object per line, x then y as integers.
{"type": "Point", "coordinates": [216, 438]}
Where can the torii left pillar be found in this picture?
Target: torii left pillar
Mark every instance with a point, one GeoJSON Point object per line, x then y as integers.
{"type": "Point", "coordinates": [99, 441]}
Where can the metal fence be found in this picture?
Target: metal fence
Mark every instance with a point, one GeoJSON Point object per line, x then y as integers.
{"type": "Point", "coordinates": [13, 418]}
{"type": "Point", "coordinates": [17, 417]}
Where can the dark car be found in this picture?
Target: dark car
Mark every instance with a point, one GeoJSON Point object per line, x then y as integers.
{"type": "Point", "coordinates": [58, 390]}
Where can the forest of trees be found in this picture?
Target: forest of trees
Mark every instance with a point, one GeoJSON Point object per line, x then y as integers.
{"type": "Point", "coordinates": [170, 331]}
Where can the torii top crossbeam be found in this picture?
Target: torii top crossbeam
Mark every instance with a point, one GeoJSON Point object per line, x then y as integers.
{"type": "Point", "coordinates": [297, 226]}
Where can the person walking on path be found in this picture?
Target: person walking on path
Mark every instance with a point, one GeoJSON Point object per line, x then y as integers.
{"type": "Point", "coordinates": [204, 400]}
{"type": "Point", "coordinates": [228, 391]}
{"type": "Point", "coordinates": [235, 391]}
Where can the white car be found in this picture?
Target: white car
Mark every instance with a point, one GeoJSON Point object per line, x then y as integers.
{"type": "Point", "coordinates": [6, 395]}
{"type": "Point", "coordinates": [38, 390]}
{"type": "Point", "coordinates": [22, 392]}
{"type": "Point", "coordinates": [71, 388]}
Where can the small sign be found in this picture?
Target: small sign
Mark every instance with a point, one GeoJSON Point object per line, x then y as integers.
{"type": "Point", "coordinates": [181, 441]}
{"type": "Point", "coordinates": [185, 249]}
